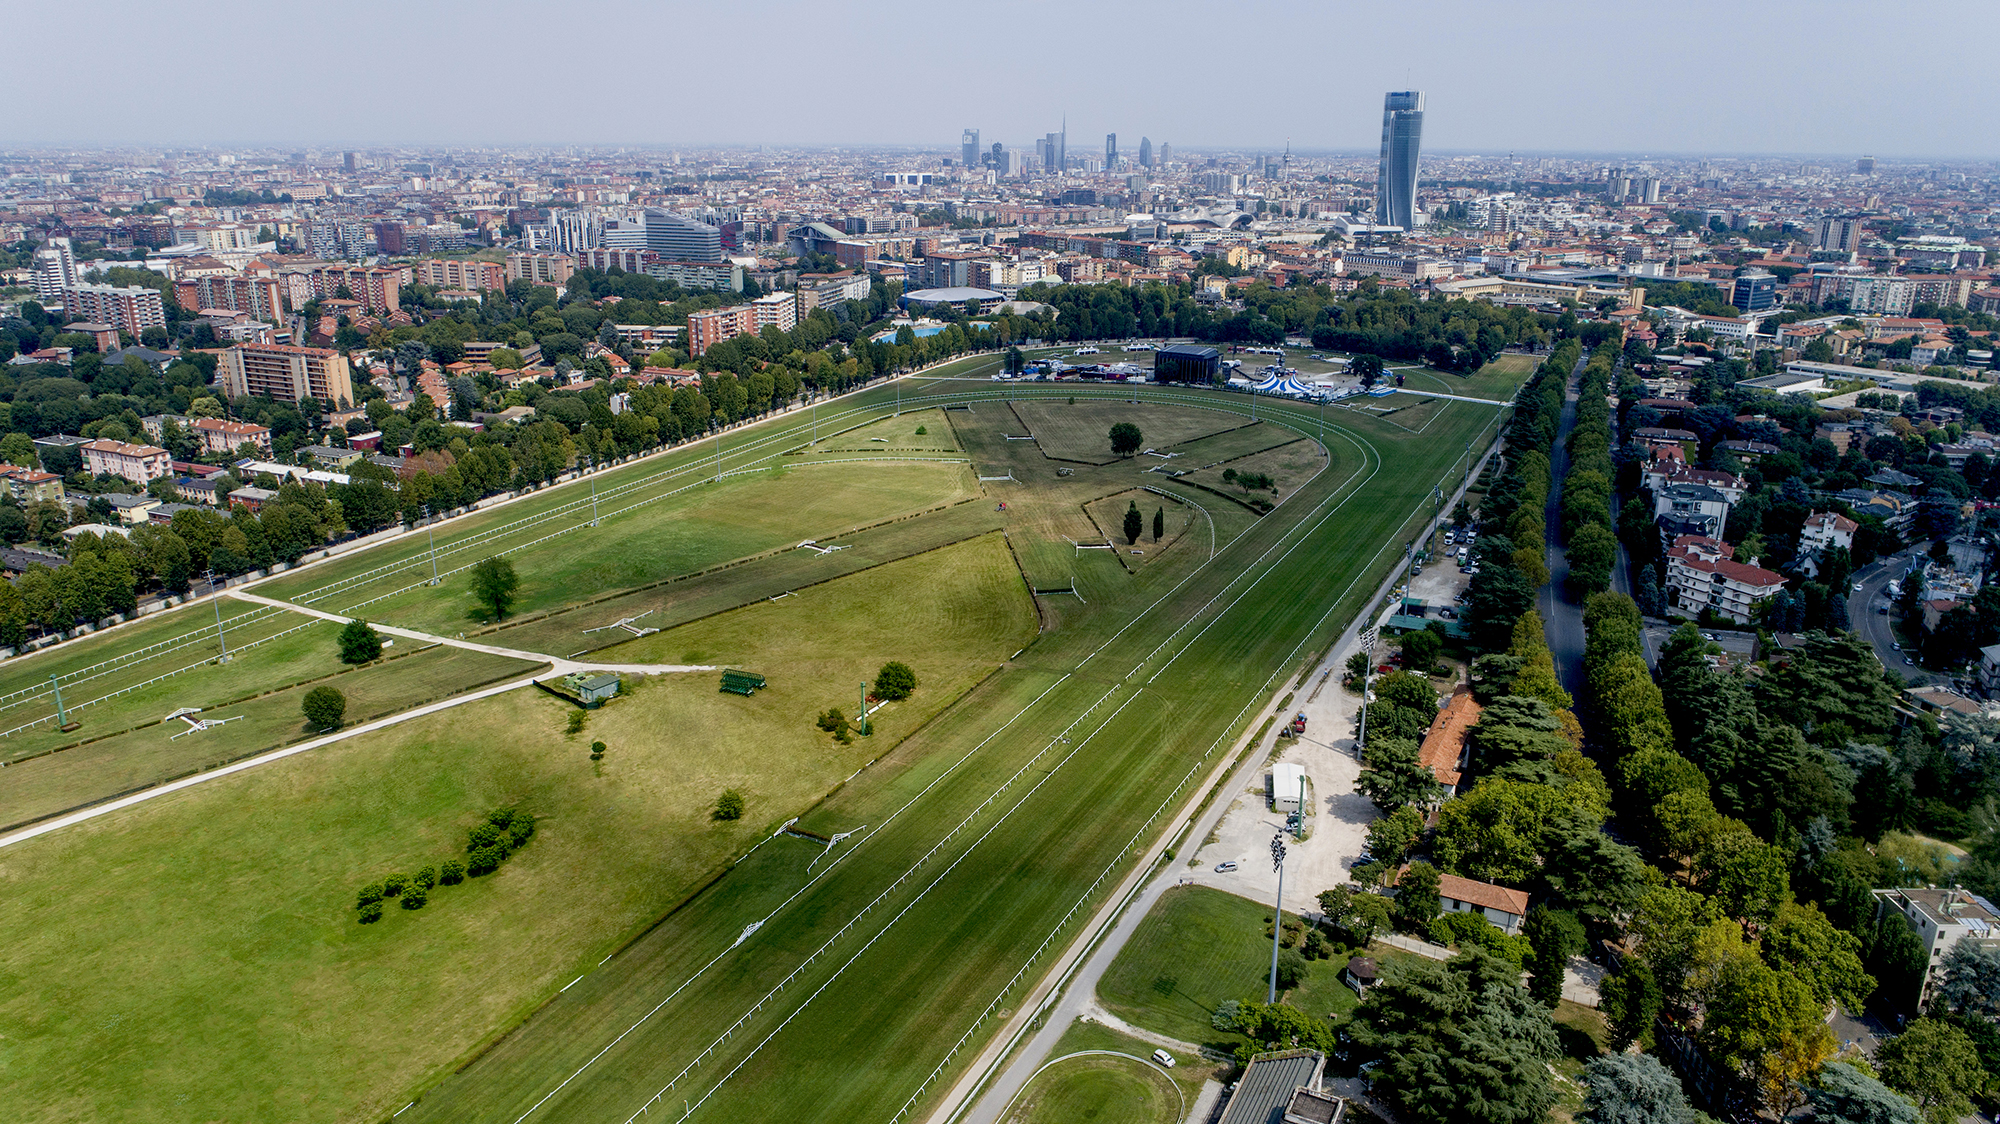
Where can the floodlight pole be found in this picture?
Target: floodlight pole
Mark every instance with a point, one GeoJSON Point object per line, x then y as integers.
{"type": "Point", "coordinates": [219, 638]}
{"type": "Point", "coordinates": [62, 716]}
{"type": "Point", "coordinates": [430, 532]}
{"type": "Point", "coordinates": [718, 453]}
{"type": "Point", "coordinates": [1278, 916]}
{"type": "Point", "coordinates": [864, 710]}
{"type": "Point", "coordinates": [591, 462]}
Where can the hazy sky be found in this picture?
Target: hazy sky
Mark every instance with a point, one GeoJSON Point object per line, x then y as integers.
{"type": "Point", "coordinates": [1836, 77]}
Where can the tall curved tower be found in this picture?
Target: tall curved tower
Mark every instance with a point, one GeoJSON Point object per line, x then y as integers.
{"type": "Point", "coordinates": [1402, 137]}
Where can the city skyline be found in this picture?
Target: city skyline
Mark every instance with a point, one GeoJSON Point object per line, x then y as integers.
{"type": "Point", "coordinates": [1462, 65]}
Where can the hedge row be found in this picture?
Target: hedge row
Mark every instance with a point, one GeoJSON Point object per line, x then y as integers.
{"type": "Point", "coordinates": [487, 846]}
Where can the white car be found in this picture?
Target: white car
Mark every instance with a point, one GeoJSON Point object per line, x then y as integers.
{"type": "Point", "coordinates": [1164, 1058]}
{"type": "Point", "coordinates": [1226, 866]}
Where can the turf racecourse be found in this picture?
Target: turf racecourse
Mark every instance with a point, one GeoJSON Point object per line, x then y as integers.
{"type": "Point", "coordinates": [986, 838]}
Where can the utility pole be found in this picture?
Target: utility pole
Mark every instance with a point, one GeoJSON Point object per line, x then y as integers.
{"type": "Point", "coordinates": [62, 716]}
{"type": "Point", "coordinates": [718, 453]}
{"type": "Point", "coordinates": [1277, 917]}
{"type": "Point", "coordinates": [592, 462]}
{"type": "Point", "coordinates": [864, 710]}
{"type": "Point", "coordinates": [219, 639]}
{"type": "Point", "coordinates": [430, 532]}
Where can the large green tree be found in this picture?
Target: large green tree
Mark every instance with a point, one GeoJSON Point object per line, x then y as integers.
{"type": "Point", "coordinates": [1632, 1089]}
{"type": "Point", "coordinates": [1393, 777]}
{"type": "Point", "coordinates": [1457, 1042]}
{"type": "Point", "coordinates": [1842, 1094]}
{"type": "Point", "coordinates": [494, 585]}
{"type": "Point", "coordinates": [1934, 1064]}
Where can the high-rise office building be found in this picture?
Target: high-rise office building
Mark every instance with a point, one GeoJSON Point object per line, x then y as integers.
{"type": "Point", "coordinates": [1110, 150]}
{"type": "Point", "coordinates": [1166, 154]}
{"type": "Point", "coordinates": [673, 236]}
{"type": "Point", "coordinates": [1755, 291]}
{"type": "Point", "coordinates": [347, 162]}
{"type": "Point", "coordinates": [968, 148]}
{"type": "Point", "coordinates": [55, 270]}
{"type": "Point", "coordinates": [1865, 166]}
{"type": "Point", "coordinates": [1402, 139]}
{"type": "Point", "coordinates": [1145, 152]}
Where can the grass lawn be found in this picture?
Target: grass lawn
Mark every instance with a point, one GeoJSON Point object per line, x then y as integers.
{"type": "Point", "coordinates": [211, 967]}
{"type": "Point", "coordinates": [1109, 515]}
{"type": "Point", "coordinates": [1081, 432]}
{"type": "Point", "coordinates": [1100, 1088]}
{"type": "Point", "coordinates": [263, 660]}
{"type": "Point", "coordinates": [894, 435]}
{"type": "Point", "coordinates": [706, 525]}
{"type": "Point", "coordinates": [1197, 948]}
{"type": "Point", "coordinates": [152, 754]}
{"type": "Point", "coordinates": [1189, 1071]}
{"type": "Point", "coordinates": [1288, 465]}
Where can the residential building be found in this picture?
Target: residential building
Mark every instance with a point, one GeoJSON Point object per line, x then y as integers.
{"type": "Point", "coordinates": [141, 464]}
{"type": "Point", "coordinates": [1989, 670]}
{"type": "Point", "coordinates": [261, 297]}
{"type": "Point", "coordinates": [1506, 908]}
{"type": "Point", "coordinates": [540, 268]}
{"type": "Point", "coordinates": [460, 273]}
{"type": "Point", "coordinates": [377, 289]}
{"type": "Point", "coordinates": [221, 435]}
{"type": "Point", "coordinates": [1940, 919]}
{"type": "Point", "coordinates": [1402, 139]}
{"type": "Point", "coordinates": [31, 485]}
{"type": "Point", "coordinates": [711, 326]}
{"type": "Point", "coordinates": [1828, 529]}
{"type": "Point", "coordinates": [779, 310]}
{"type": "Point", "coordinates": [286, 374]}
{"type": "Point", "coordinates": [822, 290]}
{"type": "Point", "coordinates": [106, 335]}
{"type": "Point", "coordinates": [1689, 509]}
{"type": "Point", "coordinates": [55, 271]}
{"type": "Point", "coordinates": [1839, 235]}
{"type": "Point", "coordinates": [1702, 573]}
{"type": "Point", "coordinates": [130, 308]}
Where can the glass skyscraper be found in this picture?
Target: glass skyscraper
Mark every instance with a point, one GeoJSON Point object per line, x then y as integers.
{"type": "Point", "coordinates": [1402, 137]}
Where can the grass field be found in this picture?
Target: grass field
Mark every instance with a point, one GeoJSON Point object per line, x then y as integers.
{"type": "Point", "coordinates": [1189, 1071]}
{"type": "Point", "coordinates": [1287, 465]}
{"type": "Point", "coordinates": [1176, 518]}
{"type": "Point", "coordinates": [153, 754]}
{"type": "Point", "coordinates": [1101, 1088]}
{"type": "Point", "coordinates": [707, 524]}
{"type": "Point", "coordinates": [210, 934]}
{"type": "Point", "coordinates": [891, 436]}
{"type": "Point", "coordinates": [1198, 948]}
{"type": "Point", "coordinates": [1082, 432]}
{"type": "Point", "coordinates": [982, 837]}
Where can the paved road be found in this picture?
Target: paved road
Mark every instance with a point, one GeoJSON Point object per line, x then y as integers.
{"type": "Point", "coordinates": [1562, 620]}
{"type": "Point", "coordinates": [1875, 627]}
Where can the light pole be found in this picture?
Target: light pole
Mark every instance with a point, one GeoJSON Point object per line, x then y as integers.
{"type": "Point", "coordinates": [591, 464]}
{"type": "Point", "coordinates": [1278, 916]}
{"type": "Point", "coordinates": [224, 658]}
{"type": "Point", "coordinates": [864, 710]}
{"type": "Point", "coordinates": [430, 532]}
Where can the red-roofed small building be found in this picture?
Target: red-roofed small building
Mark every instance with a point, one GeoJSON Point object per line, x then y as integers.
{"type": "Point", "coordinates": [1444, 749]}
{"type": "Point", "coordinates": [1702, 573]}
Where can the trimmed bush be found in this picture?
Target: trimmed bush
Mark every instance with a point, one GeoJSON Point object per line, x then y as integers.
{"type": "Point", "coordinates": [415, 897]}
{"type": "Point", "coordinates": [427, 877]}
{"type": "Point", "coordinates": [369, 894]}
{"type": "Point", "coordinates": [597, 751]}
{"type": "Point", "coordinates": [451, 873]}
{"type": "Point", "coordinates": [371, 913]}
{"type": "Point", "coordinates": [395, 884]}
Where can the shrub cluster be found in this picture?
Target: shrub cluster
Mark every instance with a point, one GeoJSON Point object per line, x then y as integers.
{"type": "Point", "coordinates": [834, 721]}
{"type": "Point", "coordinates": [487, 845]}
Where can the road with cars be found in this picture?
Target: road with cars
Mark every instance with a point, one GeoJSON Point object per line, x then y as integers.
{"type": "Point", "coordinates": [1869, 596]}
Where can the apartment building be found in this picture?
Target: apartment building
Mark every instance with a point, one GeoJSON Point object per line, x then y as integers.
{"type": "Point", "coordinates": [1940, 919]}
{"type": "Point", "coordinates": [648, 337]}
{"type": "Point", "coordinates": [286, 374]}
{"type": "Point", "coordinates": [1702, 573]}
{"type": "Point", "coordinates": [540, 268]}
{"type": "Point", "coordinates": [377, 289]}
{"type": "Point", "coordinates": [141, 464]}
{"type": "Point", "coordinates": [220, 435]}
{"type": "Point", "coordinates": [779, 310]}
{"type": "Point", "coordinates": [456, 273]}
{"type": "Point", "coordinates": [821, 290]}
{"type": "Point", "coordinates": [711, 326]}
{"type": "Point", "coordinates": [261, 297]}
{"type": "Point", "coordinates": [129, 308]}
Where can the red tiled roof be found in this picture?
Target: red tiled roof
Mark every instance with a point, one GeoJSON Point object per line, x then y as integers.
{"type": "Point", "coordinates": [1483, 894]}
{"type": "Point", "coordinates": [1444, 744]}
